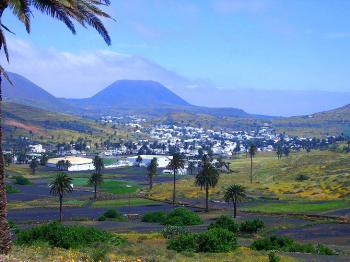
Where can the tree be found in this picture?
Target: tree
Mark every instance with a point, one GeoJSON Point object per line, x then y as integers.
{"type": "Point", "coordinates": [8, 159]}
{"type": "Point", "coordinates": [86, 13]}
{"type": "Point", "coordinates": [33, 165]}
{"type": "Point", "coordinates": [43, 160]}
{"type": "Point", "coordinates": [60, 186]}
{"type": "Point", "coordinates": [95, 180]}
{"type": "Point", "coordinates": [286, 151]}
{"type": "Point", "coordinates": [207, 178]}
{"type": "Point", "coordinates": [279, 152]}
{"type": "Point", "coordinates": [139, 160]}
{"type": "Point", "coordinates": [175, 165]}
{"type": "Point", "coordinates": [191, 167]}
{"type": "Point", "coordinates": [252, 152]}
{"type": "Point", "coordinates": [60, 165]}
{"type": "Point", "coordinates": [235, 194]}
{"type": "Point", "coordinates": [152, 171]}
{"type": "Point", "coordinates": [98, 164]}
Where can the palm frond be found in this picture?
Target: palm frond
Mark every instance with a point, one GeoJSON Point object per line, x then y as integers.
{"type": "Point", "coordinates": [21, 9]}
{"type": "Point", "coordinates": [3, 44]}
{"type": "Point", "coordinates": [4, 73]}
{"type": "Point", "coordinates": [7, 29]}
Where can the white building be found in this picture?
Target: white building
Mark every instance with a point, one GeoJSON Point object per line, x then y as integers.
{"type": "Point", "coordinates": [37, 149]}
{"type": "Point", "coordinates": [77, 163]}
{"type": "Point", "coordinates": [163, 161]}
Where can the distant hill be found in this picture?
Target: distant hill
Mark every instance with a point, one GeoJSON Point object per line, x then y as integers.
{"type": "Point", "coordinates": [25, 92]}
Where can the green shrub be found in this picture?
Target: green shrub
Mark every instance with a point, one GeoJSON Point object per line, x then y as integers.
{"type": "Point", "coordinates": [225, 222]}
{"type": "Point", "coordinates": [170, 232]}
{"type": "Point", "coordinates": [289, 245]}
{"type": "Point", "coordinates": [216, 240]}
{"type": "Point", "coordinates": [184, 242]}
{"type": "Point", "coordinates": [10, 189]}
{"type": "Point", "coordinates": [182, 217]}
{"type": "Point", "coordinates": [21, 180]}
{"type": "Point", "coordinates": [251, 226]}
{"type": "Point", "coordinates": [102, 218]}
{"type": "Point", "coordinates": [273, 257]}
{"type": "Point", "coordinates": [58, 235]}
{"type": "Point", "coordinates": [112, 214]}
{"type": "Point", "coordinates": [301, 178]}
{"type": "Point", "coordinates": [155, 217]}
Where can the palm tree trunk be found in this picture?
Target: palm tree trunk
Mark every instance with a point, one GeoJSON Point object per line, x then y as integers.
{"type": "Point", "coordinates": [61, 200]}
{"type": "Point", "coordinates": [206, 198]}
{"type": "Point", "coordinates": [95, 192]}
{"type": "Point", "coordinates": [150, 182]}
{"type": "Point", "coordinates": [234, 208]}
{"type": "Point", "coordinates": [251, 169]}
{"type": "Point", "coordinates": [5, 233]}
{"type": "Point", "coordinates": [174, 187]}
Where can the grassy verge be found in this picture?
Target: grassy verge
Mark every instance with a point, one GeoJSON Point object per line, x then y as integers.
{"type": "Point", "coordinates": [299, 206]}
{"type": "Point", "coordinates": [123, 202]}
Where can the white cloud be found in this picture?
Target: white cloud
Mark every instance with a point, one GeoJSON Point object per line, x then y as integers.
{"type": "Point", "coordinates": [82, 74]}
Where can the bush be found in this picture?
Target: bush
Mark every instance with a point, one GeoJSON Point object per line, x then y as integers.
{"type": "Point", "coordinates": [182, 217]}
{"type": "Point", "coordinates": [58, 235]}
{"type": "Point", "coordinates": [289, 245]}
{"type": "Point", "coordinates": [10, 189]}
{"type": "Point", "coordinates": [216, 240]}
{"type": "Point", "coordinates": [273, 257]}
{"type": "Point", "coordinates": [225, 222]}
{"type": "Point", "coordinates": [21, 180]}
{"type": "Point", "coordinates": [251, 226]}
{"type": "Point", "coordinates": [301, 178]}
{"type": "Point", "coordinates": [170, 232]}
{"type": "Point", "coordinates": [155, 217]}
{"type": "Point", "coordinates": [184, 242]}
{"type": "Point", "coordinates": [112, 214]}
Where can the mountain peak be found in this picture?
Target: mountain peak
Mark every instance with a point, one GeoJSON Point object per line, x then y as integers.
{"type": "Point", "coordinates": [139, 93]}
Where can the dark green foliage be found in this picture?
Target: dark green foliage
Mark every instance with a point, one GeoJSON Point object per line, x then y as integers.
{"type": "Point", "coordinates": [214, 240]}
{"type": "Point", "coordinates": [10, 189]}
{"type": "Point", "coordinates": [112, 214]}
{"type": "Point", "coordinates": [155, 217]}
{"type": "Point", "coordinates": [251, 226]}
{"type": "Point", "coordinates": [182, 217]}
{"type": "Point", "coordinates": [301, 178]}
{"type": "Point", "coordinates": [184, 242]}
{"type": "Point", "coordinates": [177, 217]}
{"type": "Point", "coordinates": [273, 257]}
{"type": "Point", "coordinates": [225, 222]}
{"type": "Point", "coordinates": [102, 218]}
{"type": "Point", "coordinates": [286, 244]}
{"type": "Point", "coordinates": [170, 232]}
{"type": "Point", "coordinates": [21, 180]}
{"type": "Point", "coordinates": [58, 235]}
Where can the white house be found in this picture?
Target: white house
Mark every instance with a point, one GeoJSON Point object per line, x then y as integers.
{"type": "Point", "coordinates": [77, 163]}
{"type": "Point", "coordinates": [163, 161]}
{"type": "Point", "coordinates": [37, 148]}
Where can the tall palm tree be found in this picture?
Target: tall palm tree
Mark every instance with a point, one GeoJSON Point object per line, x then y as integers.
{"type": "Point", "coordinates": [235, 194]}
{"type": "Point", "coordinates": [139, 160]}
{"type": "Point", "coordinates": [86, 13]}
{"type": "Point", "coordinates": [152, 171]}
{"type": "Point", "coordinates": [98, 164]}
{"type": "Point", "coordinates": [175, 165]}
{"type": "Point", "coordinates": [252, 152]}
{"type": "Point", "coordinates": [191, 167]}
{"type": "Point", "coordinates": [61, 185]}
{"type": "Point", "coordinates": [95, 180]}
{"type": "Point", "coordinates": [207, 178]}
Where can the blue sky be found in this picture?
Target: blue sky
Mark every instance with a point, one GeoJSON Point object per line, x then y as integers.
{"type": "Point", "coordinates": [261, 44]}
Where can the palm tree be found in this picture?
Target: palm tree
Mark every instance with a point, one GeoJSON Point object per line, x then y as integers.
{"type": "Point", "coordinates": [95, 180]}
{"type": "Point", "coordinates": [207, 178]}
{"type": "Point", "coordinates": [60, 165]}
{"type": "Point", "coordinates": [176, 164]}
{"type": "Point", "coordinates": [61, 185]}
{"type": "Point", "coordinates": [86, 13]}
{"type": "Point", "coordinates": [139, 160]}
{"type": "Point", "coordinates": [98, 164]}
{"type": "Point", "coordinates": [152, 171]}
{"type": "Point", "coordinates": [191, 167]}
{"type": "Point", "coordinates": [235, 194]}
{"type": "Point", "coordinates": [252, 151]}
{"type": "Point", "coordinates": [33, 165]}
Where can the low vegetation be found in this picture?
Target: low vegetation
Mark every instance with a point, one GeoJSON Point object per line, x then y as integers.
{"type": "Point", "coordinates": [112, 214]}
{"type": "Point", "coordinates": [68, 237]}
{"type": "Point", "coordinates": [246, 227]}
{"type": "Point", "coordinates": [286, 244]}
{"type": "Point", "coordinates": [21, 180]}
{"type": "Point", "coordinates": [177, 217]}
{"type": "Point", "coordinates": [11, 189]}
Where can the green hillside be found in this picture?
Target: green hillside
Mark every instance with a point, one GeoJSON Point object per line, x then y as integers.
{"type": "Point", "coordinates": [42, 125]}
